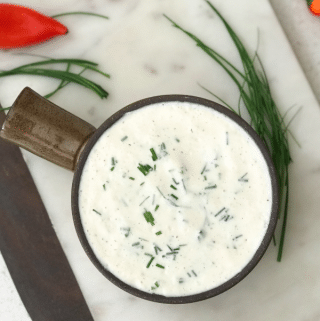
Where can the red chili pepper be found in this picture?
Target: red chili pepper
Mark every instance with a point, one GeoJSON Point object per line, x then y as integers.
{"type": "Point", "coordinates": [315, 7]}
{"type": "Point", "coordinates": [21, 26]}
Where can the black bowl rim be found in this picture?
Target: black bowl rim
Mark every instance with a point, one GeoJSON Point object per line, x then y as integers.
{"type": "Point", "coordinates": [202, 295]}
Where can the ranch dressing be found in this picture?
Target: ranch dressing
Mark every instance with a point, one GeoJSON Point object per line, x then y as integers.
{"type": "Point", "coordinates": [175, 198]}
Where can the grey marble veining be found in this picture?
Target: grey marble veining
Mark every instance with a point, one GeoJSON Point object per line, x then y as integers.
{"type": "Point", "coordinates": [146, 56]}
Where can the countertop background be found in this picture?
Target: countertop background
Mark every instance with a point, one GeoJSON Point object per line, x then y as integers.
{"type": "Point", "coordinates": [146, 56]}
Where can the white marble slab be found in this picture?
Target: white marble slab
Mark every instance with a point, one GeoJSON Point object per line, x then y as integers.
{"type": "Point", "coordinates": [146, 56]}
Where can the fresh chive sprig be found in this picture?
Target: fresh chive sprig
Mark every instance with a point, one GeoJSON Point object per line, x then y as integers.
{"type": "Point", "coordinates": [256, 95]}
{"type": "Point", "coordinates": [66, 76]}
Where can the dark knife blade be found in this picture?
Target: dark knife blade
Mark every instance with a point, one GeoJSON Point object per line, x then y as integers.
{"type": "Point", "coordinates": [30, 247]}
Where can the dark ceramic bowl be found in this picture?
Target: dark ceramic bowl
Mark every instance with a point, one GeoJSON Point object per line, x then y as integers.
{"type": "Point", "coordinates": [154, 297]}
{"type": "Point", "coordinates": [45, 129]}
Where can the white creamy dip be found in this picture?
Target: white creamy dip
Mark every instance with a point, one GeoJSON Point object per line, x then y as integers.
{"type": "Point", "coordinates": [175, 198]}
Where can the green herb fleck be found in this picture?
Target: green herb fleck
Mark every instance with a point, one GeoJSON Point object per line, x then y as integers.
{"type": "Point", "coordinates": [132, 178]}
{"type": "Point", "coordinates": [181, 280]}
{"type": "Point", "coordinates": [157, 284]}
{"type": "Point", "coordinates": [124, 138]}
{"type": "Point", "coordinates": [96, 211]}
{"type": "Point", "coordinates": [149, 218]}
{"type": "Point", "coordinates": [220, 211]}
{"type": "Point", "coordinates": [149, 263]}
{"type": "Point", "coordinates": [211, 187]}
{"type": "Point", "coordinates": [175, 181]}
{"type": "Point", "coordinates": [141, 183]}
{"type": "Point", "coordinates": [144, 169]}
{"type": "Point", "coordinates": [144, 200]}
{"type": "Point", "coordinates": [127, 229]}
{"type": "Point", "coordinates": [104, 186]}
{"type": "Point", "coordinates": [175, 197]}
{"type": "Point", "coordinates": [136, 244]}
{"type": "Point", "coordinates": [178, 140]}
{"type": "Point", "coordinates": [111, 169]}
{"type": "Point", "coordinates": [156, 208]}
{"type": "Point", "coordinates": [204, 168]}
{"type": "Point", "coordinates": [194, 273]}
{"type": "Point", "coordinates": [153, 154]}
{"type": "Point", "coordinates": [160, 266]}
{"type": "Point", "coordinates": [243, 178]}
{"type": "Point", "coordinates": [159, 233]}
{"type": "Point", "coordinates": [173, 187]}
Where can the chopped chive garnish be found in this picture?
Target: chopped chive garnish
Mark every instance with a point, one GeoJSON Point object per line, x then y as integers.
{"type": "Point", "coordinates": [211, 187]}
{"type": "Point", "coordinates": [141, 183]}
{"type": "Point", "coordinates": [157, 284]}
{"type": "Point", "coordinates": [163, 146]}
{"type": "Point", "coordinates": [113, 162]}
{"type": "Point", "coordinates": [178, 140]}
{"type": "Point", "coordinates": [220, 211]}
{"type": "Point", "coordinates": [175, 197]}
{"type": "Point", "coordinates": [149, 218]}
{"type": "Point", "coordinates": [154, 167]}
{"type": "Point", "coordinates": [136, 244]}
{"type": "Point", "coordinates": [181, 280]}
{"type": "Point", "coordinates": [189, 274]}
{"type": "Point", "coordinates": [160, 266]}
{"type": "Point", "coordinates": [111, 169]}
{"type": "Point", "coordinates": [148, 254]}
{"type": "Point", "coordinates": [140, 238]}
{"type": "Point", "coordinates": [127, 229]}
{"type": "Point", "coordinates": [149, 263]}
{"type": "Point", "coordinates": [156, 249]}
{"type": "Point", "coordinates": [205, 178]}
{"type": "Point", "coordinates": [172, 253]}
{"type": "Point", "coordinates": [132, 178]}
{"type": "Point", "coordinates": [144, 200]}
{"type": "Point", "coordinates": [104, 186]}
{"type": "Point", "coordinates": [243, 179]}
{"type": "Point", "coordinates": [159, 233]}
{"type": "Point", "coordinates": [195, 274]}
{"type": "Point", "coordinates": [175, 181]}
{"type": "Point", "coordinates": [153, 154]}
{"type": "Point", "coordinates": [177, 249]}
{"type": "Point", "coordinates": [204, 168]}
{"type": "Point", "coordinates": [170, 248]}
{"type": "Point", "coordinates": [144, 169]}
{"type": "Point", "coordinates": [97, 212]}
{"type": "Point", "coordinates": [124, 138]}
{"type": "Point", "coordinates": [156, 208]}
{"type": "Point", "coordinates": [173, 187]}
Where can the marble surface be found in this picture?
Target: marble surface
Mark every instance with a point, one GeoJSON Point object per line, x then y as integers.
{"type": "Point", "coordinates": [146, 56]}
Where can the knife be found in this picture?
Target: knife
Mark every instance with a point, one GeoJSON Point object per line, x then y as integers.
{"type": "Point", "coordinates": [30, 248]}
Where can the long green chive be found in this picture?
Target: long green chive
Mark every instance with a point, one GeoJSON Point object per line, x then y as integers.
{"type": "Point", "coordinates": [79, 13]}
{"type": "Point", "coordinates": [65, 76]}
{"type": "Point", "coordinates": [265, 117]}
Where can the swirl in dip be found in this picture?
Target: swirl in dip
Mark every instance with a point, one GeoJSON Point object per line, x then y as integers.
{"type": "Point", "coordinates": [175, 198]}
